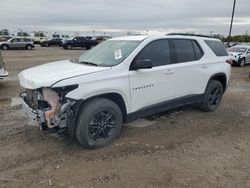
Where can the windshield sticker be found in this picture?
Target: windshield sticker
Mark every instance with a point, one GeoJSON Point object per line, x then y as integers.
{"type": "Point", "coordinates": [118, 54]}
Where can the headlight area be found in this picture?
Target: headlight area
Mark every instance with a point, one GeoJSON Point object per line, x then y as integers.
{"type": "Point", "coordinates": [52, 109]}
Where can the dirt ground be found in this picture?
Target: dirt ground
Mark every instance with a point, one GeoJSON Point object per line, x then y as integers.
{"type": "Point", "coordinates": [179, 148]}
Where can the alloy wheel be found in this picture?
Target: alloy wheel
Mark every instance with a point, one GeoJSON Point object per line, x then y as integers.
{"type": "Point", "coordinates": [101, 126]}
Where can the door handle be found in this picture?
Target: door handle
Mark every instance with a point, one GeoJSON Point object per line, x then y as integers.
{"type": "Point", "coordinates": [204, 66]}
{"type": "Point", "coordinates": [169, 71]}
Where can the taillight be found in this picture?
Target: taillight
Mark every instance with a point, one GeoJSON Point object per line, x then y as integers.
{"type": "Point", "coordinates": [229, 61]}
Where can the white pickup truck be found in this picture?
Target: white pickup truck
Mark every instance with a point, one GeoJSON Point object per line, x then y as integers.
{"type": "Point", "coordinates": [123, 79]}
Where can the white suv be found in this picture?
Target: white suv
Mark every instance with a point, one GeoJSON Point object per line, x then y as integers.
{"type": "Point", "coordinates": [123, 79]}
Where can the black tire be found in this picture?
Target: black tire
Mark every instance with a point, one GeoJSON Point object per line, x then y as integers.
{"type": "Point", "coordinates": [212, 97]}
{"type": "Point", "coordinates": [28, 47]}
{"type": "Point", "coordinates": [242, 62]}
{"type": "Point", "coordinates": [69, 47]}
{"type": "Point", "coordinates": [46, 44]}
{"type": "Point", "coordinates": [99, 123]}
{"type": "Point", "coordinates": [4, 47]}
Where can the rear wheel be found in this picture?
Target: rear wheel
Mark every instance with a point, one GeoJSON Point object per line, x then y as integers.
{"type": "Point", "coordinates": [213, 96]}
{"type": "Point", "coordinates": [99, 123]}
{"type": "Point", "coordinates": [5, 47]}
{"type": "Point", "coordinates": [46, 44]}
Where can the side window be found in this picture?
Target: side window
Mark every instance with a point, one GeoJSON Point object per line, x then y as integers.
{"type": "Point", "coordinates": [197, 50]}
{"type": "Point", "coordinates": [217, 47]}
{"type": "Point", "coordinates": [157, 51]}
{"type": "Point", "coordinates": [15, 40]}
{"type": "Point", "coordinates": [183, 50]}
{"type": "Point", "coordinates": [21, 40]}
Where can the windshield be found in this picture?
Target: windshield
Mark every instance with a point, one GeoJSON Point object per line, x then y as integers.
{"type": "Point", "coordinates": [109, 53]}
{"type": "Point", "coordinates": [237, 49]}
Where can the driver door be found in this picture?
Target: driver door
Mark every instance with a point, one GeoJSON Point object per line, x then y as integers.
{"type": "Point", "coordinates": [248, 56]}
{"type": "Point", "coordinates": [149, 87]}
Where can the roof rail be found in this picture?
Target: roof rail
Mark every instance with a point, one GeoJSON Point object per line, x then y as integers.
{"type": "Point", "coordinates": [187, 34]}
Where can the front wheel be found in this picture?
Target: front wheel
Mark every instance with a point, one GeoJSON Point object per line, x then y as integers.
{"type": "Point", "coordinates": [242, 62]}
{"type": "Point", "coordinates": [99, 123]}
{"type": "Point", "coordinates": [4, 47]}
{"type": "Point", "coordinates": [28, 47]}
{"type": "Point", "coordinates": [212, 96]}
{"type": "Point", "coordinates": [69, 47]}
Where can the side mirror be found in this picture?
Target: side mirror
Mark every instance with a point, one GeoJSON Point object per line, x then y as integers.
{"type": "Point", "coordinates": [141, 64]}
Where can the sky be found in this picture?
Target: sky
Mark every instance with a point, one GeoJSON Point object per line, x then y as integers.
{"type": "Point", "coordinates": [117, 17]}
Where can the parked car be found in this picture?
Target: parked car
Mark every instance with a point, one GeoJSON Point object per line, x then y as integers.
{"type": "Point", "coordinates": [52, 42]}
{"type": "Point", "coordinates": [65, 37]}
{"type": "Point", "coordinates": [123, 79]}
{"type": "Point", "coordinates": [83, 42]}
{"type": "Point", "coordinates": [100, 39]}
{"type": "Point", "coordinates": [22, 34]}
{"type": "Point", "coordinates": [3, 72]}
{"type": "Point", "coordinates": [4, 33]}
{"type": "Point", "coordinates": [38, 37]}
{"type": "Point", "coordinates": [17, 43]}
{"type": "Point", "coordinates": [240, 54]}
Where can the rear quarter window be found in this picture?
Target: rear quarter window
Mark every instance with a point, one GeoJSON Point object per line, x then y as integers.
{"type": "Point", "coordinates": [217, 47]}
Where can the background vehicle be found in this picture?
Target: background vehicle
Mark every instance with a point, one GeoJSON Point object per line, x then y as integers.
{"type": "Point", "coordinates": [17, 43]}
{"type": "Point", "coordinates": [82, 42]}
{"type": "Point", "coordinates": [123, 79]}
{"type": "Point", "coordinates": [100, 39]}
{"type": "Point", "coordinates": [52, 42]}
{"type": "Point", "coordinates": [22, 34]}
{"type": "Point", "coordinates": [240, 54]}
{"type": "Point", "coordinates": [65, 37]}
{"type": "Point", "coordinates": [4, 33]}
{"type": "Point", "coordinates": [3, 72]}
{"type": "Point", "coordinates": [38, 37]}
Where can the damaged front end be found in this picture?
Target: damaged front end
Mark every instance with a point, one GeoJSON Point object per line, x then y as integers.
{"type": "Point", "coordinates": [50, 107]}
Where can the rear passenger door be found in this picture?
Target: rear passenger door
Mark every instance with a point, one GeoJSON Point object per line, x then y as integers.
{"type": "Point", "coordinates": [190, 71]}
{"type": "Point", "coordinates": [22, 43]}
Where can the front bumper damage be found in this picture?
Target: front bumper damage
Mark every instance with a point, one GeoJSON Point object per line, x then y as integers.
{"type": "Point", "coordinates": [51, 109]}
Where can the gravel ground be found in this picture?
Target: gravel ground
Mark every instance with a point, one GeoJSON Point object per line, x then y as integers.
{"type": "Point", "coordinates": [180, 148]}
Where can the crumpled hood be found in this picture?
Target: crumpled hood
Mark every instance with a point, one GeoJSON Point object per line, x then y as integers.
{"type": "Point", "coordinates": [48, 74]}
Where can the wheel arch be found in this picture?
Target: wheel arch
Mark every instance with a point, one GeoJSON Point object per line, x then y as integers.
{"type": "Point", "coordinates": [113, 96]}
{"type": "Point", "coordinates": [221, 77]}
{"type": "Point", "coordinates": [5, 45]}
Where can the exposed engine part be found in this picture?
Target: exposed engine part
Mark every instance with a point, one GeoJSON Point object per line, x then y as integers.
{"type": "Point", "coordinates": [50, 107]}
{"type": "Point", "coordinates": [51, 115]}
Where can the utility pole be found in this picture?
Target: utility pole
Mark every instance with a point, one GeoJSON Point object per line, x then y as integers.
{"type": "Point", "coordinates": [232, 19]}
